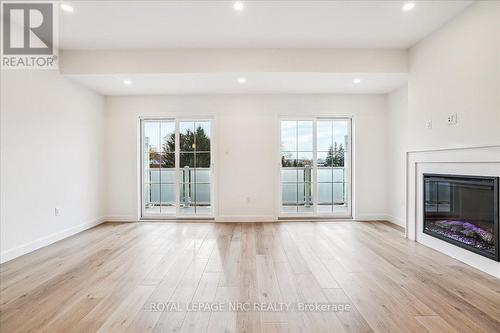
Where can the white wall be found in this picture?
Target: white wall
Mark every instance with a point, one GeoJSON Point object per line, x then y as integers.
{"type": "Point", "coordinates": [457, 69]}
{"type": "Point", "coordinates": [226, 60]}
{"type": "Point", "coordinates": [52, 155]}
{"type": "Point", "coordinates": [397, 145]}
{"type": "Point", "coordinates": [246, 128]}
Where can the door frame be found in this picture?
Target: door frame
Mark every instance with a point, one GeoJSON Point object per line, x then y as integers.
{"type": "Point", "coordinates": [213, 180]}
{"type": "Point", "coordinates": [349, 169]}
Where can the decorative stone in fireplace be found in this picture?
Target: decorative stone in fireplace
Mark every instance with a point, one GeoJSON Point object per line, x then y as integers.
{"type": "Point", "coordinates": [463, 210]}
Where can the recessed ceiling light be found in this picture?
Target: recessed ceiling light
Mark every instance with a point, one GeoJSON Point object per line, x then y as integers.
{"type": "Point", "coordinates": [356, 80]}
{"type": "Point", "coordinates": [242, 80]}
{"type": "Point", "coordinates": [408, 6]}
{"type": "Point", "coordinates": [238, 6]}
{"type": "Point", "coordinates": [127, 82]}
{"type": "Point", "coordinates": [67, 8]}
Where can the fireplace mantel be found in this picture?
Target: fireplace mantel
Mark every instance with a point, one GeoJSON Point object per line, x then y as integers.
{"type": "Point", "coordinates": [479, 161]}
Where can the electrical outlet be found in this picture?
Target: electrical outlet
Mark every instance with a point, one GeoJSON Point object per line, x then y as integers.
{"type": "Point", "coordinates": [428, 124]}
{"type": "Point", "coordinates": [57, 211]}
{"type": "Point", "coordinates": [452, 119]}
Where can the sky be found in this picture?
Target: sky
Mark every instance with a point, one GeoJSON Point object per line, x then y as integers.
{"type": "Point", "coordinates": [298, 135]}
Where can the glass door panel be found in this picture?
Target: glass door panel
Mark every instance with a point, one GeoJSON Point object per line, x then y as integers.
{"type": "Point", "coordinates": [296, 167]}
{"type": "Point", "coordinates": [159, 167]}
{"type": "Point", "coordinates": [177, 173]}
{"type": "Point", "coordinates": [332, 143]}
{"type": "Point", "coordinates": [195, 168]}
{"type": "Point", "coordinates": [314, 167]}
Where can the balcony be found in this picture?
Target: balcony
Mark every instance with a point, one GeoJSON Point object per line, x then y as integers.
{"type": "Point", "coordinates": [297, 190]}
{"type": "Point", "coordinates": [194, 191]}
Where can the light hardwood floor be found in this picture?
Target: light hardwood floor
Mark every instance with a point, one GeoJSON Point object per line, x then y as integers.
{"type": "Point", "coordinates": [109, 278]}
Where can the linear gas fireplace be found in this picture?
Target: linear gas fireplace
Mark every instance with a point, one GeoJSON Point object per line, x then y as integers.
{"type": "Point", "coordinates": [463, 210]}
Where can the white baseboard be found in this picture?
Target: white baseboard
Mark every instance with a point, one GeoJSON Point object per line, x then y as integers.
{"type": "Point", "coordinates": [396, 220]}
{"type": "Point", "coordinates": [245, 218]}
{"type": "Point", "coordinates": [371, 217]}
{"type": "Point", "coordinates": [47, 240]}
{"type": "Point", "coordinates": [220, 218]}
{"type": "Point", "coordinates": [381, 217]}
{"type": "Point", "coordinates": [120, 218]}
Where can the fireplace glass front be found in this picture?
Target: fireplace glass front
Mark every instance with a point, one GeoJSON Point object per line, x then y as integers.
{"type": "Point", "coordinates": [463, 210]}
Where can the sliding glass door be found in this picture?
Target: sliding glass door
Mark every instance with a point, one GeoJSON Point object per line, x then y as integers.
{"type": "Point", "coordinates": [195, 168]}
{"type": "Point", "coordinates": [176, 168]}
{"type": "Point", "coordinates": [159, 176]}
{"type": "Point", "coordinates": [315, 167]}
{"type": "Point", "coordinates": [333, 166]}
{"type": "Point", "coordinates": [296, 166]}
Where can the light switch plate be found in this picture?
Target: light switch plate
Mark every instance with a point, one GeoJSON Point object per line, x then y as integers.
{"type": "Point", "coordinates": [452, 119]}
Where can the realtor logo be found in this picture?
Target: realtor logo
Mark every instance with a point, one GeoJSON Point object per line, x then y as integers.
{"type": "Point", "coordinates": [28, 35]}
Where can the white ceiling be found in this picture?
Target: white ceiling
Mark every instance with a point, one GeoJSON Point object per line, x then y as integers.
{"type": "Point", "coordinates": [227, 83]}
{"type": "Point", "coordinates": [262, 24]}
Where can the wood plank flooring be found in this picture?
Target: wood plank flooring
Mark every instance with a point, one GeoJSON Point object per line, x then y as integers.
{"type": "Point", "coordinates": [140, 277]}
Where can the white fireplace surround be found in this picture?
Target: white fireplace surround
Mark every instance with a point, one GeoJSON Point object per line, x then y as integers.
{"type": "Point", "coordinates": [474, 161]}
